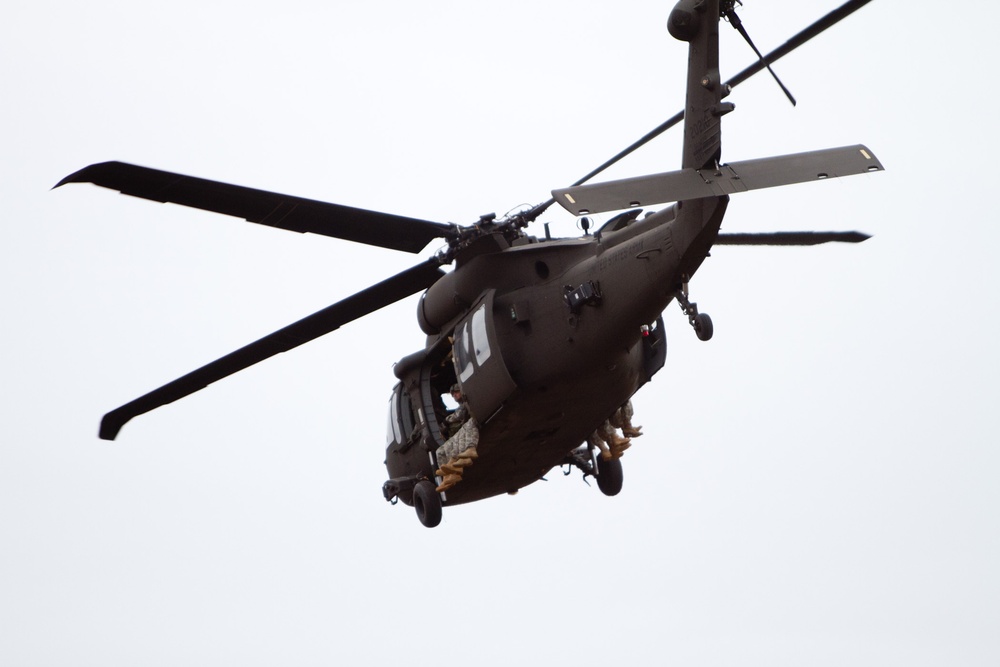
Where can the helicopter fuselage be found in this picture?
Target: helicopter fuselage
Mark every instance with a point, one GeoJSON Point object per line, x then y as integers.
{"type": "Point", "coordinates": [547, 339]}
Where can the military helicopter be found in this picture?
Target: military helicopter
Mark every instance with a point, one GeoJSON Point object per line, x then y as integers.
{"type": "Point", "coordinates": [546, 337]}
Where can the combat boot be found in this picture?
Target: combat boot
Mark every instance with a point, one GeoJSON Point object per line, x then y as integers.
{"type": "Point", "coordinates": [448, 482]}
{"type": "Point", "coordinates": [470, 454]}
{"type": "Point", "coordinates": [619, 445]}
{"type": "Point", "coordinates": [453, 467]}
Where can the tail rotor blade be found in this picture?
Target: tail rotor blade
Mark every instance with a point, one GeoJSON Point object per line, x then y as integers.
{"type": "Point", "coordinates": [735, 21]}
{"type": "Point", "coordinates": [800, 38]}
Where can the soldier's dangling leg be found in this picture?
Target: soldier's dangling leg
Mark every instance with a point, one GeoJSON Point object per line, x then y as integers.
{"type": "Point", "coordinates": [617, 443]}
{"type": "Point", "coordinates": [458, 452]}
{"type": "Point", "coordinates": [623, 419]}
{"type": "Point", "coordinates": [595, 440]}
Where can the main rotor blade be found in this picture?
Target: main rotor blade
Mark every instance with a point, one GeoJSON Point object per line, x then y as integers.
{"type": "Point", "coordinates": [791, 238]}
{"type": "Point", "coordinates": [388, 291]}
{"type": "Point", "coordinates": [265, 208]}
{"type": "Point", "coordinates": [795, 42]}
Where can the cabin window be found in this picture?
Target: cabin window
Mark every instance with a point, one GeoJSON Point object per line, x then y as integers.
{"type": "Point", "coordinates": [480, 340]}
{"type": "Point", "coordinates": [472, 342]}
{"type": "Point", "coordinates": [463, 358]}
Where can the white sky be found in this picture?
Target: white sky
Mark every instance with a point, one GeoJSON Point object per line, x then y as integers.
{"type": "Point", "coordinates": [817, 484]}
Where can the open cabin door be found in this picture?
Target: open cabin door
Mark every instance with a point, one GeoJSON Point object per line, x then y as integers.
{"type": "Point", "coordinates": [479, 365]}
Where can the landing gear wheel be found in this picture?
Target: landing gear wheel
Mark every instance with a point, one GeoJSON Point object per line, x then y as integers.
{"type": "Point", "coordinates": [700, 322]}
{"type": "Point", "coordinates": [703, 326]}
{"type": "Point", "coordinates": [609, 476]}
{"type": "Point", "coordinates": [427, 503]}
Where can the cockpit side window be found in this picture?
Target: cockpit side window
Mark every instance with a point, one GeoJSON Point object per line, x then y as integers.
{"type": "Point", "coordinates": [392, 433]}
{"type": "Point", "coordinates": [406, 420]}
{"type": "Point", "coordinates": [401, 420]}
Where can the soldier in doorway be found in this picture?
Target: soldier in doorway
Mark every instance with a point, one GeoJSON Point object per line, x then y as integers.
{"type": "Point", "coordinates": [459, 450]}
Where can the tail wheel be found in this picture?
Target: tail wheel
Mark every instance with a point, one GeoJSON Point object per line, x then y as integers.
{"type": "Point", "coordinates": [427, 503]}
{"type": "Point", "coordinates": [703, 326]}
{"type": "Point", "coordinates": [609, 476]}
{"type": "Point", "coordinates": [700, 322]}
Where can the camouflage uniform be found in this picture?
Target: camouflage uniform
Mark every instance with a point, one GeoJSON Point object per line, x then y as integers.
{"type": "Point", "coordinates": [602, 437]}
{"type": "Point", "coordinates": [459, 450]}
{"type": "Point", "coordinates": [461, 431]}
{"type": "Point", "coordinates": [466, 436]}
{"type": "Point", "coordinates": [453, 422]}
{"type": "Point", "coordinates": [622, 418]}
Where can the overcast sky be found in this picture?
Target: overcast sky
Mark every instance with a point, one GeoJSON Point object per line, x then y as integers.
{"type": "Point", "coordinates": [817, 485]}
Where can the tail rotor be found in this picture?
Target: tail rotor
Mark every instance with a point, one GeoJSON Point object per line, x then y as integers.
{"type": "Point", "coordinates": [728, 11]}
